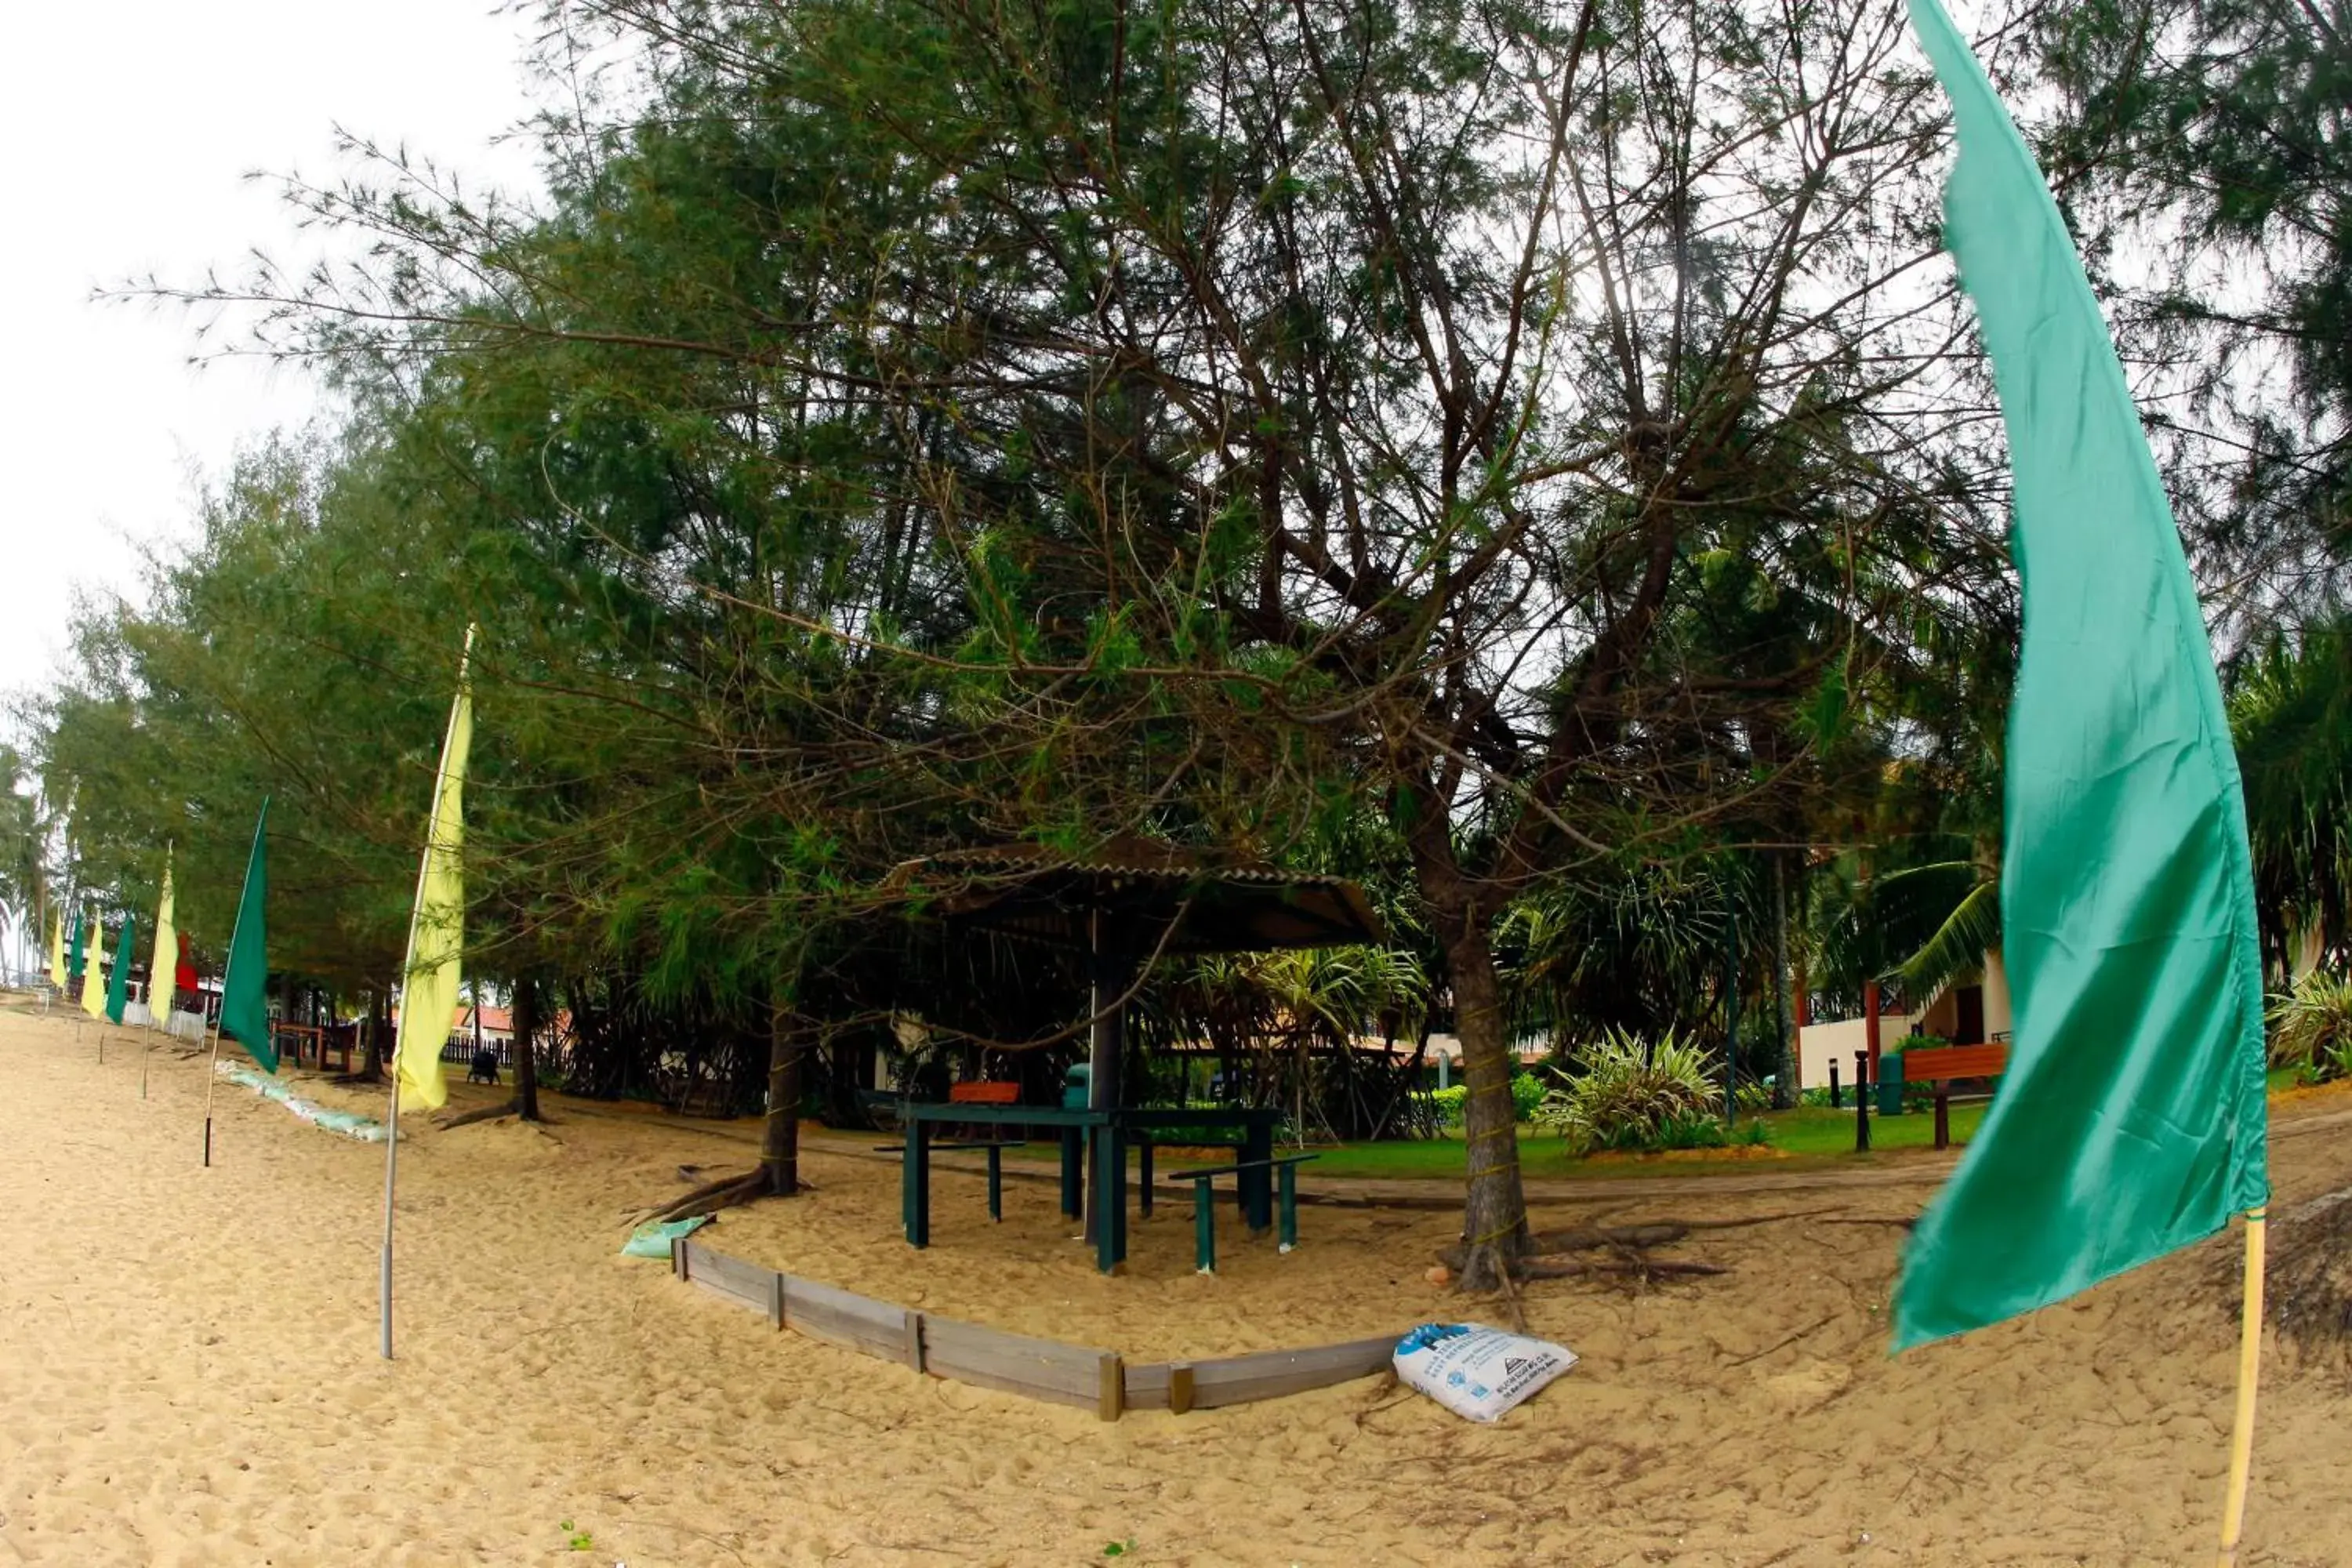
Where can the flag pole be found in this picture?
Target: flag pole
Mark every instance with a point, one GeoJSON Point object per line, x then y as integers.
{"type": "Point", "coordinates": [212, 1082]}
{"type": "Point", "coordinates": [2250, 1354]}
{"type": "Point", "coordinates": [391, 1165]}
{"type": "Point", "coordinates": [415, 909]}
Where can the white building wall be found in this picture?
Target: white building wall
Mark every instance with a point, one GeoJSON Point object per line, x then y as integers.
{"type": "Point", "coordinates": [1818, 1044]}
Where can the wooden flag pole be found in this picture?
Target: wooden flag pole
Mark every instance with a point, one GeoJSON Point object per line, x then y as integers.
{"type": "Point", "coordinates": [212, 1082]}
{"type": "Point", "coordinates": [2249, 1355]}
{"type": "Point", "coordinates": [391, 1165]}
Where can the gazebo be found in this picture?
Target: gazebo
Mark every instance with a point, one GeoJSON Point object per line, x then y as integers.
{"type": "Point", "coordinates": [1124, 904]}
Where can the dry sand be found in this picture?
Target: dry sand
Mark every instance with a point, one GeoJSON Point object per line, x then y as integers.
{"type": "Point", "coordinates": [188, 1374]}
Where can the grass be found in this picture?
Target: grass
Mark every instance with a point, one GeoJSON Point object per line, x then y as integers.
{"type": "Point", "coordinates": [1809, 1137]}
{"type": "Point", "coordinates": [1806, 1136]}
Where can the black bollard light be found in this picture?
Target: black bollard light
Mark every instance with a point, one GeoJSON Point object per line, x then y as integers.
{"type": "Point", "coordinates": [1861, 1102]}
{"type": "Point", "coordinates": [1834, 1103]}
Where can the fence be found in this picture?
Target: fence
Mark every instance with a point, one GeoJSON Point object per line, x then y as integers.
{"type": "Point", "coordinates": [1099, 1380]}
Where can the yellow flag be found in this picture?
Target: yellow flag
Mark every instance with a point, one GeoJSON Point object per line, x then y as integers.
{"type": "Point", "coordinates": [58, 949]}
{"type": "Point", "coordinates": [164, 968]}
{"type": "Point", "coordinates": [436, 929]}
{"type": "Point", "coordinates": [93, 985]}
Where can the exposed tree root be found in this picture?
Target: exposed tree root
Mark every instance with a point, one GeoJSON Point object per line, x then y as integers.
{"type": "Point", "coordinates": [711, 1196]}
{"type": "Point", "coordinates": [1639, 1267]}
{"type": "Point", "coordinates": [1546, 1254]}
{"type": "Point", "coordinates": [480, 1113]}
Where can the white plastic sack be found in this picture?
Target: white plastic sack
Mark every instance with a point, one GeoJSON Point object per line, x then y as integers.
{"type": "Point", "coordinates": [1478, 1372]}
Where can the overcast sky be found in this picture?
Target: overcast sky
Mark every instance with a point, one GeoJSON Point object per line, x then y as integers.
{"type": "Point", "coordinates": [128, 130]}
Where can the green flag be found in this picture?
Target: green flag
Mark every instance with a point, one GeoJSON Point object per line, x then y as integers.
{"type": "Point", "coordinates": [118, 983]}
{"type": "Point", "coordinates": [74, 960]}
{"type": "Point", "coordinates": [245, 1006]}
{"type": "Point", "coordinates": [2132, 1121]}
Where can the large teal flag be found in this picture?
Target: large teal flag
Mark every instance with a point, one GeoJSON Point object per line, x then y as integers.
{"type": "Point", "coordinates": [74, 963]}
{"type": "Point", "coordinates": [2132, 1121]}
{"type": "Point", "coordinates": [118, 983]}
{"type": "Point", "coordinates": [245, 986]}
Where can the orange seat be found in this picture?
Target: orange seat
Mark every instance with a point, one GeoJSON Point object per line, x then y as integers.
{"type": "Point", "coordinates": [983, 1094]}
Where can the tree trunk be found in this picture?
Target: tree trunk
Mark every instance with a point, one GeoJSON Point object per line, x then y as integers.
{"type": "Point", "coordinates": [379, 1025]}
{"type": "Point", "coordinates": [1494, 1207]}
{"type": "Point", "coordinates": [1784, 1070]}
{"type": "Point", "coordinates": [779, 1134]}
{"type": "Point", "coordinates": [525, 1018]}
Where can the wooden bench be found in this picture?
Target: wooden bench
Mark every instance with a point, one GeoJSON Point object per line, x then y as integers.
{"type": "Point", "coordinates": [1942, 1067]}
{"type": "Point", "coordinates": [1204, 1220]}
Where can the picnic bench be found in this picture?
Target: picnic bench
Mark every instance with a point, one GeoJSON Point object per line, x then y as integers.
{"type": "Point", "coordinates": [1204, 1223]}
{"type": "Point", "coordinates": [1944, 1066]}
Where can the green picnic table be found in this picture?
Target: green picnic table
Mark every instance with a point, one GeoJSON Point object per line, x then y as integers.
{"type": "Point", "coordinates": [1105, 1134]}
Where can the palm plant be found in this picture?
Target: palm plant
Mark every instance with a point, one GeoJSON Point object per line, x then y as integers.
{"type": "Point", "coordinates": [2291, 714]}
{"type": "Point", "coordinates": [2311, 1027]}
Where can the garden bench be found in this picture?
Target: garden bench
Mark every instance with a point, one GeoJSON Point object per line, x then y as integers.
{"type": "Point", "coordinates": [1204, 1220]}
{"type": "Point", "coordinates": [1943, 1066]}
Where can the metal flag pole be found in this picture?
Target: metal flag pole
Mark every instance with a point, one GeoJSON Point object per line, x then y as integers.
{"type": "Point", "coordinates": [2250, 1356]}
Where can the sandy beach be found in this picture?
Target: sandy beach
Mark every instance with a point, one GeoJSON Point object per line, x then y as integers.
{"type": "Point", "coordinates": [189, 1375]}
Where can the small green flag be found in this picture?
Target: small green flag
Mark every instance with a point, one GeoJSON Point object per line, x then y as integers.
{"type": "Point", "coordinates": [74, 959]}
{"type": "Point", "coordinates": [2132, 1119]}
{"type": "Point", "coordinates": [245, 1002]}
{"type": "Point", "coordinates": [118, 983]}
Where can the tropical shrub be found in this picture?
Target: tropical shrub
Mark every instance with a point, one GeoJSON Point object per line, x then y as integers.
{"type": "Point", "coordinates": [1632, 1095]}
{"type": "Point", "coordinates": [1526, 1095]}
{"type": "Point", "coordinates": [2311, 1027]}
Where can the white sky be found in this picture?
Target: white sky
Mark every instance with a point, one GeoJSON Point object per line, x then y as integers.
{"type": "Point", "coordinates": [128, 130]}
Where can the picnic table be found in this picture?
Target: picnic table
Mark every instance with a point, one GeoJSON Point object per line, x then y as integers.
{"type": "Point", "coordinates": [307, 1045]}
{"type": "Point", "coordinates": [1106, 1135]}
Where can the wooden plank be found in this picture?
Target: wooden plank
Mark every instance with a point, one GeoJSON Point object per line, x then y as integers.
{"type": "Point", "coordinates": [1146, 1385]}
{"type": "Point", "coordinates": [745, 1284]}
{"type": "Point", "coordinates": [1015, 1363]}
{"type": "Point", "coordinates": [1270, 1374]}
{"type": "Point", "coordinates": [1180, 1391]}
{"type": "Point", "coordinates": [1954, 1061]}
{"type": "Point", "coordinates": [1111, 1386]}
{"type": "Point", "coordinates": [845, 1318]}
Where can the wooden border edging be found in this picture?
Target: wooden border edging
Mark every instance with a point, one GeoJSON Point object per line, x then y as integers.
{"type": "Point", "coordinates": [1089, 1379]}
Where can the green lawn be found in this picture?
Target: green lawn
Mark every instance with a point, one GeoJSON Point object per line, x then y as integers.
{"type": "Point", "coordinates": [1807, 1135]}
